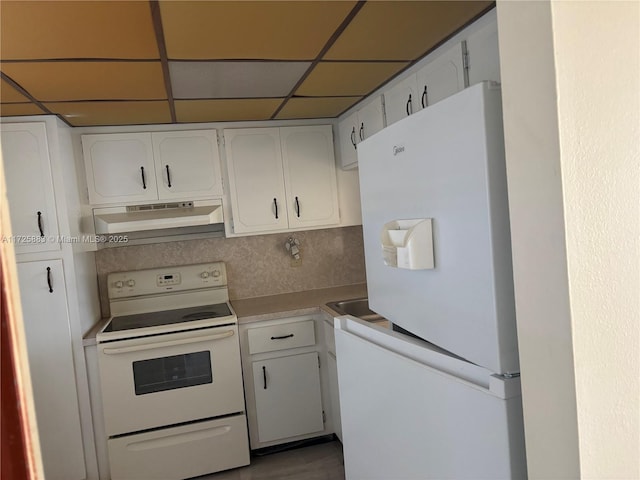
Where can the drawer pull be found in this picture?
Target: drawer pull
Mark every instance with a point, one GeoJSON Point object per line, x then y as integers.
{"type": "Point", "coordinates": [282, 336]}
{"type": "Point", "coordinates": [264, 376]}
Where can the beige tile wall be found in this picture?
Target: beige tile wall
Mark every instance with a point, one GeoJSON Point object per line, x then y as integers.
{"type": "Point", "coordinates": [256, 265]}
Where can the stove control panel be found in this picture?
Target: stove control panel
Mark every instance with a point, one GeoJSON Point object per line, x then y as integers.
{"type": "Point", "coordinates": [168, 279]}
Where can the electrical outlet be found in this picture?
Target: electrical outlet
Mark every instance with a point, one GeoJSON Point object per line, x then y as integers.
{"type": "Point", "coordinates": [296, 262]}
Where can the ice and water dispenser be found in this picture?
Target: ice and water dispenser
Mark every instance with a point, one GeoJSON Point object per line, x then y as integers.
{"type": "Point", "coordinates": [408, 244]}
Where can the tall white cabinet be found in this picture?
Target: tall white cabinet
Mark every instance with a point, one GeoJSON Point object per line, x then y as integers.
{"type": "Point", "coordinates": [281, 178]}
{"type": "Point", "coordinates": [40, 176]}
{"type": "Point", "coordinates": [46, 324]}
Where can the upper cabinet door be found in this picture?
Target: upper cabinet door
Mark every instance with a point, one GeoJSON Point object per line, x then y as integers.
{"type": "Point", "coordinates": [370, 118]}
{"type": "Point", "coordinates": [119, 168]}
{"type": "Point", "coordinates": [187, 164]}
{"type": "Point", "coordinates": [484, 58]}
{"type": "Point", "coordinates": [310, 176]}
{"type": "Point", "coordinates": [402, 100]}
{"type": "Point", "coordinates": [348, 136]}
{"type": "Point", "coordinates": [34, 222]}
{"type": "Point", "coordinates": [442, 77]}
{"type": "Point", "coordinates": [256, 186]}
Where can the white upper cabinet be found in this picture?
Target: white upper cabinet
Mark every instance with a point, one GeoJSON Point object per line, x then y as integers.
{"type": "Point", "coordinates": [119, 168]}
{"type": "Point", "coordinates": [438, 79]}
{"type": "Point", "coordinates": [353, 129]}
{"type": "Point", "coordinates": [402, 100]}
{"type": "Point", "coordinates": [442, 77]}
{"type": "Point", "coordinates": [484, 58]}
{"type": "Point", "coordinates": [256, 185]}
{"type": "Point", "coordinates": [187, 164]}
{"type": "Point", "coordinates": [309, 176]}
{"type": "Point", "coordinates": [125, 168]}
{"type": "Point", "coordinates": [281, 178]}
{"type": "Point", "coordinates": [27, 168]}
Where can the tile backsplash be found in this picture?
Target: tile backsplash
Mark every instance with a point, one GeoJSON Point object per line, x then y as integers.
{"type": "Point", "coordinates": [256, 266]}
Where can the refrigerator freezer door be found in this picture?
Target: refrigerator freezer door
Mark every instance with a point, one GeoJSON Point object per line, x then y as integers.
{"type": "Point", "coordinates": [445, 163]}
{"type": "Point", "coordinates": [404, 419]}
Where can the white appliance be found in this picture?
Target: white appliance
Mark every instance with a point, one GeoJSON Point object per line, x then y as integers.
{"type": "Point", "coordinates": [170, 374]}
{"type": "Point", "coordinates": [444, 404]}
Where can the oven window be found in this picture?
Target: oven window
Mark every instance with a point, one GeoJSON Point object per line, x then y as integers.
{"type": "Point", "coordinates": [169, 373]}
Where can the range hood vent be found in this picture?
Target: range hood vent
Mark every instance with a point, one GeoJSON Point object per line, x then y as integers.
{"type": "Point", "coordinates": [160, 219]}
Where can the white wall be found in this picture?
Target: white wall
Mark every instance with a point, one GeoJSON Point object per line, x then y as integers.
{"type": "Point", "coordinates": [571, 77]}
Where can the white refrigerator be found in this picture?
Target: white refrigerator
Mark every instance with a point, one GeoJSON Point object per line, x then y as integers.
{"type": "Point", "coordinates": [443, 402]}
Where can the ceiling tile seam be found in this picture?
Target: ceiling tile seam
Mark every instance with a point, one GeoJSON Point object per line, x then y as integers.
{"type": "Point", "coordinates": [162, 49]}
{"type": "Point", "coordinates": [421, 57]}
{"type": "Point", "coordinates": [26, 94]}
{"type": "Point", "coordinates": [347, 20]}
{"type": "Point", "coordinates": [239, 60]}
{"type": "Point", "coordinates": [82, 59]}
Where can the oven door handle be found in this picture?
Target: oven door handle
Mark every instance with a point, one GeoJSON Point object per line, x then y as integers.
{"type": "Point", "coordinates": [170, 343]}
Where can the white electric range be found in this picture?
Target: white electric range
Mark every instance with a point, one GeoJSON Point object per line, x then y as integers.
{"type": "Point", "coordinates": [170, 374]}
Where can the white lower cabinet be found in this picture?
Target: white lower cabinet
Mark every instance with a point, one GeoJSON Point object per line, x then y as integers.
{"type": "Point", "coordinates": [288, 397]}
{"type": "Point", "coordinates": [46, 323]}
{"type": "Point", "coordinates": [285, 380]}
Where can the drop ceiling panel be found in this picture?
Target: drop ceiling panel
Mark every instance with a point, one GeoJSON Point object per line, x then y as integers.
{"type": "Point", "coordinates": [234, 79]}
{"type": "Point", "coordinates": [310, 107]}
{"type": "Point", "coordinates": [250, 30]}
{"type": "Point", "coordinates": [12, 109]}
{"type": "Point", "coordinates": [56, 81]}
{"type": "Point", "coordinates": [73, 29]}
{"type": "Point", "coordinates": [226, 110]}
{"type": "Point", "coordinates": [112, 113]}
{"type": "Point", "coordinates": [403, 30]}
{"type": "Point", "coordinates": [8, 94]}
{"type": "Point", "coordinates": [346, 78]}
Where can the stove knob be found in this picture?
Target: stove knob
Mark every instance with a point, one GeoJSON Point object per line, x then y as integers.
{"type": "Point", "coordinates": [119, 284]}
{"type": "Point", "coordinates": [204, 274]}
{"type": "Point", "coordinates": [131, 283]}
{"type": "Point", "coordinates": [216, 273]}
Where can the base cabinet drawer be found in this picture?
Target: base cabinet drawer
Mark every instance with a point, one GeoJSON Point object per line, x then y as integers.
{"type": "Point", "coordinates": [281, 337]}
{"type": "Point", "coordinates": [181, 452]}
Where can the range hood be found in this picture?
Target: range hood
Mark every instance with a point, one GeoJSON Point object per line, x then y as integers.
{"type": "Point", "coordinates": [170, 219]}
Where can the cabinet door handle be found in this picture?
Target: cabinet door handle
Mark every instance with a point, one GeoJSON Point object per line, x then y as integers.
{"type": "Point", "coordinates": [409, 106]}
{"type": "Point", "coordinates": [144, 181]}
{"type": "Point", "coordinates": [282, 336]}
{"type": "Point", "coordinates": [49, 279]}
{"type": "Point", "coordinates": [425, 99]}
{"type": "Point", "coordinates": [264, 377]}
{"type": "Point", "coordinates": [362, 131]}
{"type": "Point", "coordinates": [353, 137]}
{"type": "Point", "coordinates": [297, 207]}
{"type": "Point", "coordinates": [40, 224]}
{"type": "Point", "coordinates": [275, 204]}
{"type": "Point", "coordinates": [168, 176]}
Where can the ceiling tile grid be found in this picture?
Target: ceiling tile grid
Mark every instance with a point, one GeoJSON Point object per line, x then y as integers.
{"type": "Point", "coordinates": [144, 62]}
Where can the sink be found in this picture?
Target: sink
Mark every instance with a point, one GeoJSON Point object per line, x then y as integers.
{"type": "Point", "coordinates": [357, 307]}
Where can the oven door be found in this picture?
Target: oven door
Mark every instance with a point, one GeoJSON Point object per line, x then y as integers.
{"type": "Point", "coordinates": [168, 379]}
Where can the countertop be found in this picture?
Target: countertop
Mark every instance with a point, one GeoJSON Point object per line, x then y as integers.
{"type": "Point", "coordinates": [258, 309]}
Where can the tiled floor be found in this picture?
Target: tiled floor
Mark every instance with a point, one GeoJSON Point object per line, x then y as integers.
{"type": "Point", "coordinates": [316, 462]}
